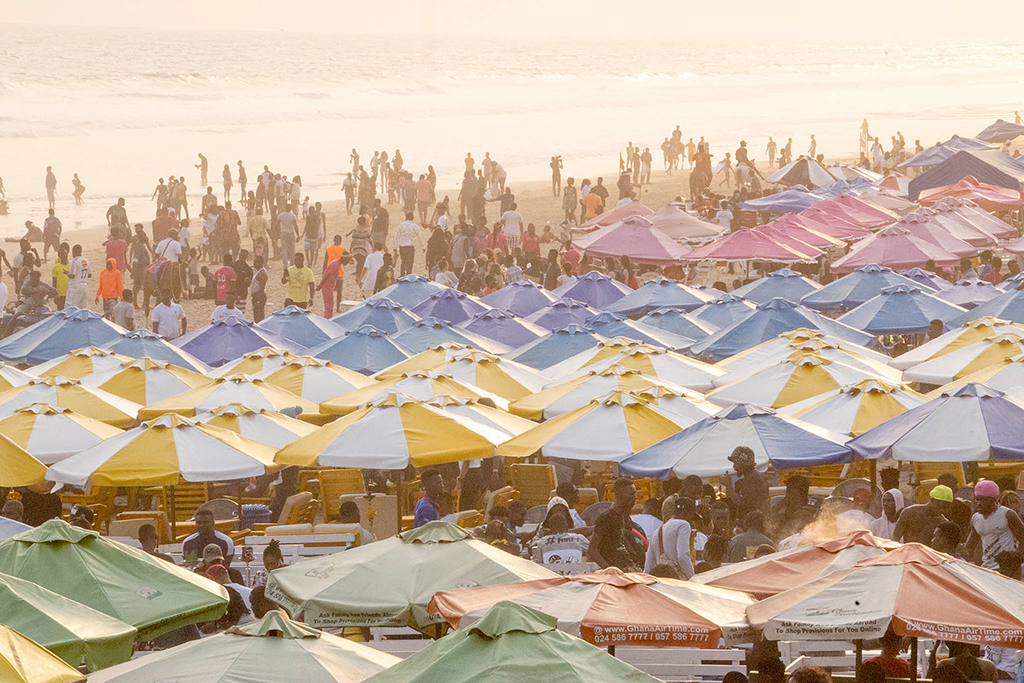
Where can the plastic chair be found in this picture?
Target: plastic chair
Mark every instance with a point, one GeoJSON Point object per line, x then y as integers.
{"type": "Point", "coordinates": [299, 509]}
{"type": "Point", "coordinates": [847, 487]}
{"type": "Point", "coordinates": [533, 482]}
{"type": "Point", "coordinates": [594, 511]}
{"type": "Point", "coordinates": [222, 508]}
{"type": "Point", "coordinates": [536, 514]}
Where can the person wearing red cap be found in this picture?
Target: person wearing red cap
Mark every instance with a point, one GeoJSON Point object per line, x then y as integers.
{"type": "Point", "coordinates": [995, 528]}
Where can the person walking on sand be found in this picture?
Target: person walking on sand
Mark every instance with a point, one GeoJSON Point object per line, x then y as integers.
{"type": "Point", "coordinates": [242, 178]}
{"type": "Point", "coordinates": [813, 151]}
{"type": "Point", "coordinates": [770, 151]}
{"type": "Point", "coordinates": [51, 187]}
{"type": "Point", "coordinates": [51, 234]}
{"type": "Point", "coordinates": [204, 167]}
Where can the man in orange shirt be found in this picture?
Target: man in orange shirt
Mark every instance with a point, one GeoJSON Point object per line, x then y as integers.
{"type": "Point", "coordinates": [591, 203]}
{"type": "Point", "coordinates": [110, 287]}
{"type": "Point", "coordinates": [335, 252]}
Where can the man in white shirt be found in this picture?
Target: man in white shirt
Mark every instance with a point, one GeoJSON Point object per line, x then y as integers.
{"type": "Point", "coordinates": [168, 318]}
{"type": "Point", "coordinates": [512, 222]}
{"type": "Point", "coordinates": [288, 222]}
{"type": "Point", "coordinates": [724, 216]}
{"type": "Point", "coordinates": [374, 262]}
{"type": "Point", "coordinates": [169, 248]}
{"type": "Point", "coordinates": [406, 236]}
{"type": "Point", "coordinates": [227, 309]}
{"type": "Point", "coordinates": [78, 280]}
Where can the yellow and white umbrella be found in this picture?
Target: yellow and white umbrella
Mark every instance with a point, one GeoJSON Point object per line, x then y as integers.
{"type": "Point", "coordinates": [506, 378]}
{"type": "Point", "coordinates": [255, 362]}
{"type": "Point", "coordinates": [685, 407]}
{"type": "Point", "coordinates": [666, 365]}
{"type": "Point", "coordinates": [607, 429]}
{"type": "Point", "coordinates": [18, 467]}
{"type": "Point", "coordinates": [266, 426]}
{"type": "Point", "coordinates": [314, 379]}
{"type": "Point", "coordinates": [64, 392]}
{"type": "Point", "coordinates": [146, 381]}
{"type": "Point", "coordinates": [966, 360]}
{"type": "Point", "coordinates": [593, 355]}
{"type": "Point", "coordinates": [79, 363]}
{"type": "Point", "coordinates": [496, 418]}
{"type": "Point", "coordinates": [391, 434]}
{"type": "Point", "coordinates": [577, 392]}
{"type": "Point", "coordinates": [22, 660]}
{"type": "Point", "coordinates": [163, 452]}
{"type": "Point", "coordinates": [243, 389]}
{"type": "Point", "coordinates": [11, 377]}
{"type": "Point", "coordinates": [965, 335]}
{"type": "Point", "coordinates": [421, 385]}
{"type": "Point", "coordinates": [424, 360]}
{"type": "Point", "coordinates": [51, 434]}
{"type": "Point", "coordinates": [800, 339]}
{"type": "Point", "coordinates": [838, 350]}
{"type": "Point", "coordinates": [790, 381]}
{"type": "Point", "coordinates": [855, 408]}
{"type": "Point", "coordinates": [1006, 376]}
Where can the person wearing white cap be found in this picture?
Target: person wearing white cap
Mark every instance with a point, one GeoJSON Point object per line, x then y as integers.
{"type": "Point", "coordinates": [558, 545]}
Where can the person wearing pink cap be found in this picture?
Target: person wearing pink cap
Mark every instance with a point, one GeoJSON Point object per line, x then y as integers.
{"type": "Point", "coordinates": [995, 528]}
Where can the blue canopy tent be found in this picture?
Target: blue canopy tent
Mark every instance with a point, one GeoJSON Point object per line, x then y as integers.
{"type": "Point", "coordinates": [959, 143]}
{"type": "Point", "coordinates": [231, 338]}
{"type": "Point", "coordinates": [522, 298]}
{"type": "Point", "coordinates": [787, 201]}
{"type": "Point", "coordinates": [970, 293]}
{"type": "Point", "coordinates": [853, 289]}
{"type": "Point", "coordinates": [677, 321]}
{"type": "Point", "coordinates": [142, 343]}
{"type": "Point", "coordinates": [926, 279]}
{"type": "Point", "coordinates": [1007, 306]}
{"type": "Point", "coordinates": [409, 291]}
{"type": "Point", "coordinates": [60, 333]}
{"type": "Point", "coordinates": [987, 166]}
{"type": "Point", "coordinates": [423, 334]}
{"type": "Point", "coordinates": [783, 283]}
{"type": "Point", "coordinates": [723, 311]}
{"type": "Point", "coordinates": [704, 447]}
{"type": "Point", "coordinates": [384, 314]}
{"type": "Point", "coordinates": [301, 326]}
{"type": "Point", "coordinates": [932, 156]}
{"type": "Point", "coordinates": [659, 292]}
{"type": "Point", "coordinates": [503, 327]}
{"type": "Point", "coordinates": [1001, 131]}
{"type": "Point", "coordinates": [594, 289]}
{"type": "Point", "coordinates": [555, 347]}
{"type": "Point", "coordinates": [767, 322]}
{"type": "Point", "coordinates": [451, 305]}
{"type": "Point", "coordinates": [900, 309]}
{"type": "Point", "coordinates": [611, 325]}
{"type": "Point", "coordinates": [561, 312]}
{"type": "Point", "coordinates": [365, 349]}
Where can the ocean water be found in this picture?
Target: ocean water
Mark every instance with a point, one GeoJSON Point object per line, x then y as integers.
{"type": "Point", "coordinates": [123, 107]}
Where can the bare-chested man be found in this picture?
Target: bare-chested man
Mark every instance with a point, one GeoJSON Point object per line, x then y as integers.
{"type": "Point", "coordinates": [917, 523]}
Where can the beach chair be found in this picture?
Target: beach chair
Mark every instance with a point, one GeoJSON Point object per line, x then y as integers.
{"type": "Point", "coordinates": [188, 497]}
{"type": "Point", "coordinates": [100, 501]}
{"type": "Point", "coordinates": [158, 518]}
{"type": "Point", "coordinates": [533, 482]}
{"type": "Point", "coordinates": [536, 514]}
{"type": "Point", "coordinates": [299, 509]}
{"type": "Point", "coordinates": [932, 470]}
{"type": "Point", "coordinates": [502, 496]}
{"type": "Point", "coordinates": [336, 483]}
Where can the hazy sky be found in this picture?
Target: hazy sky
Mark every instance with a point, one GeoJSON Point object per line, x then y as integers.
{"type": "Point", "coordinates": [810, 19]}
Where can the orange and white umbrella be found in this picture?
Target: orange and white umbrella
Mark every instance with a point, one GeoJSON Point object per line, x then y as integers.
{"type": "Point", "coordinates": [801, 339]}
{"type": "Point", "coordinates": [1006, 376]}
{"type": "Point", "coordinates": [855, 408]}
{"type": "Point", "coordinates": [595, 354]}
{"type": "Point", "coordinates": [11, 377]}
{"type": "Point", "coordinates": [314, 379]}
{"type": "Point", "coordinates": [472, 409]}
{"type": "Point", "coordinates": [609, 607]}
{"type": "Point", "coordinates": [424, 360]}
{"type": "Point", "coordinates": [837, 350]}
{"type": "Point", "coordinates": [79, 363]}
{"type": "Point", "coordinates": [265, 426]}
{"type": "Point", "coordinates": [145, 381]}
{"type": "Point", "coordinates": [506, 378]}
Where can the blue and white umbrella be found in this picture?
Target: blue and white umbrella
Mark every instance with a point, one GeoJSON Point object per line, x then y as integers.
{"type": "Point", "coordinates": [1008, 306]}
{"type": "Point", "coordinates": [724, 310]}
{"type": "Point", "coordinates": [503, 327]}
{"type": "Point", "coordinates": [852, 290]}
{"type": "Point", "coordinates": [142, 343]}
{"type": "Point", "coordinates": [561, 312]}
{"type": "Point", "coordinates": [556, 346]}
{"type": "Point", "coordinates": [64, 331]}
{"type": "Point", "coordinates": [409, 291]}
{"type": "Point", "coordinates": [677, 321]}
{"type": "Point", "coordinates": [302, 326]}
{"type": "Point", "coordinates": [901, 309]}
{"type": "Point", "coordinates": [611, 325]}
{"type": "Point", "coordinates": [384, 314]}
{"type": "Point", "coordinates": [659, 292]}
{"type": "Point", "coordinates": [226, 340]}
{"type": "Point", "coordinates": [451, 305]}
{"type": "Point", "coordinates": [970, 293]}
{"type": "Point", "coordinates": [783, 283]}
{"type": "Point", "coordinates": [366, 350]}
{"type": "Point", "coordinates": [594, 289]}
{"type": "Point", "coordinates": [428, 332]}
{"type": "Point", "coordinates": [926, 279]}
{"type": "Point", "coordinates": [522, 298]}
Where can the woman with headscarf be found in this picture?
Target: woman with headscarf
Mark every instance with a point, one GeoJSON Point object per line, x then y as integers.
{"type": "Point", "coordinates": [892, 504]}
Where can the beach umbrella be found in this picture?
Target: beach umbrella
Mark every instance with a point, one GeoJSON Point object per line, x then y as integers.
{"type": "Point", "coordinates": [855, 408]}
{"type": "Point", "coordinates": [384, 314]}
{"type": "Point", "coordinates": [522, 297]}
{"type": "Point", "coordinates": [427, 359]}
{"type": "Point", "coordinates": [153, 595]}
{"type": "Point", "coordinates": [928, 281]}
{"type": "Point", "coordinates": [555, 346]}
{"type": "Point", "coordinates": [24, 661]}
{"type": "Point", "coordinates": [267, 427]}
{"type": "Point", "coordinates": [794, 226]}
{"type": "Point", "coordinates": [965, 209]}
{"type": "Point", "coordinates": [957, 338]}
{"type": "Point", "coordinates": [613, 325]}
{"type": "Point", "coordinates": [275, 648]}
{"type": "Point", "coordinates": [231, 338]}
{"type": "Point", "coordinates": [795, 379]}
{"type": "Point", "coordinates": [831, 219]}
{"type": "Point", "coordinates": [777, 351]}
{"type": "Point", "coordinates": [1012, 282]}
{"type": "Point", "coordinates": [1006, 376]}
{"type": "Point", "coordinates": [913, 590]}
{"type": "Point", "coordinates": [596, 605]}
{"type": "Point", "coordinates": [988, 197]}
{"type": "Point", "coordinates": [704, 448]}
{"type": "Point", "coordinates": [390, 582]}
{"type": "Point", "coordinates": [616, 214]}
{"type": "Point", "coordinates": [803, 171]}
{"type": "Point", "coordinates": [432, 331]}
{"type": "Point", "coordinates": [451, 305]}
{"type": "Point", "coordinates": [421, 385]}
{"type": "Point", "coordinates": [677, 321]}
{"type": "Point", "coordinates": [654, 362]}
{"type": "Point", "coordinates": [924, 226]}
{"type": "Point", "coordinates": [17, 466]}
{"type": "Point", "coordinates": [145, 381]}
{"type": "Point", "coordinates": [659, 292]}
{"type": "Point", "coordinates": [409, 291]}
{"type": "Point", "coordinates": [511, 643]}
{"type": "Point", "coordinates": [63, 392]}
{"type": "Point", "coordinates": [11, 376]}
{"type": "Point", "coordinates": [558, 314]}
{"type": "Point", "coordinates": [261, 360]}
{"type": "Point", "coordinates": [683, 407]}
{"type": "Point", "coordinates": [79, 363]}
{"type": "Point", "coordinates": [574, 393]}
{"type": "Point", "coordinates": [971, 423]}
{"type": "Point", "coordinates": [56, 335]}
{"type": "Point", "coordinates": [1001, 131]}
{"type": "Point", "coordinates": [792, 200]}
{"type": "Point", "coordinates": [746, 244]}
{"type": "Point", "coordinates": [892, 247]}
{"type": "Point", "coordinates": [850, 291]}
{"type": "Point", "coordinates": [852, 173]}
{"type": "Point", "coordinates": [301, 326]}
{"type": "Point", "coordinates": [506, 378]}
{"type": "Point", "coordinates": [503, 327]}
{"type": "Point", "coordinates": [607, 429]}
{"type": "Point", "coordinates": [52, 434]}
{"type": "Point", "coordinates": [783, 283]}
{"type": "Point", "coordinates": [393, 433]}
{"type": "Point", "coordinates": [70, 630]}
{"type": "Point", "coordinates": [473, 409]}
{"type": "Point", "coordinates": [1008, 306]}
{"type": "Point", "coordinates": [860, 211]}
{"type": "Point", "coordinates": [786, 237]}
{"type": "Point", "coordinates": [314, 379]}
{"type": "Point", "coordinates": [220, 391]}
{"type": "Point", "coordinates": [599, 352]}
{"type": "Point", "coordinates": [947, 213]}
{"type": "Point", "coordinates": [966, 360]}
{"type": "Point", "coordinates": [970, 293]}
{"type": "Point", "coordinates": [679, 225]}
{"type": "Point", "coordinates": [765, 576]}
{"type": "Point", "coordinates": [145, 344]}
{"type": "Point", "coordinates": [594, 289]}
{"type": "Point", "coordinates": [365, 349]}
{"type": "Point", "coordinates": [635, 237]}
{"type": "Point", "coordinates": [723, 311]}
{"type": "Point", "coordinates": [9, 527]}
{"type": "Point", "coordinates": [901, 309]}
{"type": "Point", "coordinates": [768, 321]}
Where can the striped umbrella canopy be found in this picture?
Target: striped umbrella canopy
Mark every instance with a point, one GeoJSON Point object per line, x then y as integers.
{"type": "Point", "coordinates": [409, 290]}
{"type": "Point", "coordinates": [164, 452]}
{"type": "Point", "coordinates": [506, 378]}
{"type": "Point", "coordinates": [666, 365]}
{"type": "Point", "coordinates": [17, 466]}
{"type": "Point", "coordinates": [302, 326]}
{"type": "Point", "coordinates": [522, 297]}
{"type": "Point", "coordinates": [969, 293]}
{"type": "Point", "coordinates": [51, 434]}
{"type": "Point", "coordinates": [926, 279]}
{"type": "Point", "coordinates": [421, 385]}
{"type": "Point", "coordinates": [855, 408]}
{"type": "Point", "coordinates": [64, 392]}
{"type": "Point", "coordinates": [723, 311]}
{"type": "Point", "coordinates": [314, 379]}
{"type": "Point", "coordinates": [561, 312]}
{"type": "Point", "coordinates": [391, 434]}
{"type": "Point", "coordinates": [384, 314]}
{"type": "Point", "coordinates": [774, 352]}
{"type": "Point", "coordinates": [142, 343]}
{"type": "Point", "coordinates": [80, 363]}
{"type": "Point", "coordinates": [784, 283]}
{"type": "Point", "coordinates": [473, 409]}
{"type": "Point", "coordinates": [22, 660]}
{"type": "Point", "coordinates": [614, 325]}
{"type": "Point", "coordinates": [433, 331]}
{"type": "Point", "coordinates": [366, 349]}
{"type": "Point", "coordinates": [604, 350]}
{"type": "Point", "coordinates": [268, 427]}
{"type": "Point", "coordinates": [428, 359]}
{"type": "Point", "coordinates": [55, 335]}
{"type": "Point", "coordinates": [957, 338]}
{"type": "Point", "coordinates": [555, 347]}
{"type": "Point", "coordinates": [1006, 376]}
{"type": "Point", "coordinates": [850, 291]}
{"type": "Point", "coordinates": [252, 363]}
{"type": "Point", "coordinates": [684, 407]}
{"type": "Point", "coordinates": [146, 381]}
{"type": "Point", "coordinates": [11, 377]}
{"type": "Point", "coordinates": [967, 360]}
{"type": "Point", "coordinates": [255, 393]}
{"type": "Point", "coordinates": [658, 293]}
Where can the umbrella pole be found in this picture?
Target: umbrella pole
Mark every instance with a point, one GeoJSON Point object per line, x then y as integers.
{"type": "Point", "coordinates": [913, 660]}
{"type": "Point", "coordinates": [174, 516]}
{"type": "Point", "coordinates": [611, 650]}
{"type": "Point", "coordinates": [860, 656]}
{"type": "Point", "coordinates": [873, 468]}
{"type": "Point", "coordinates": [241, 489]}
{"type": "Point", "coordinates": [401, 500]}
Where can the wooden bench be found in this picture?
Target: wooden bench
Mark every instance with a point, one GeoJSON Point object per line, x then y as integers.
{"type": "Point", "coordinates": [673, 664]}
